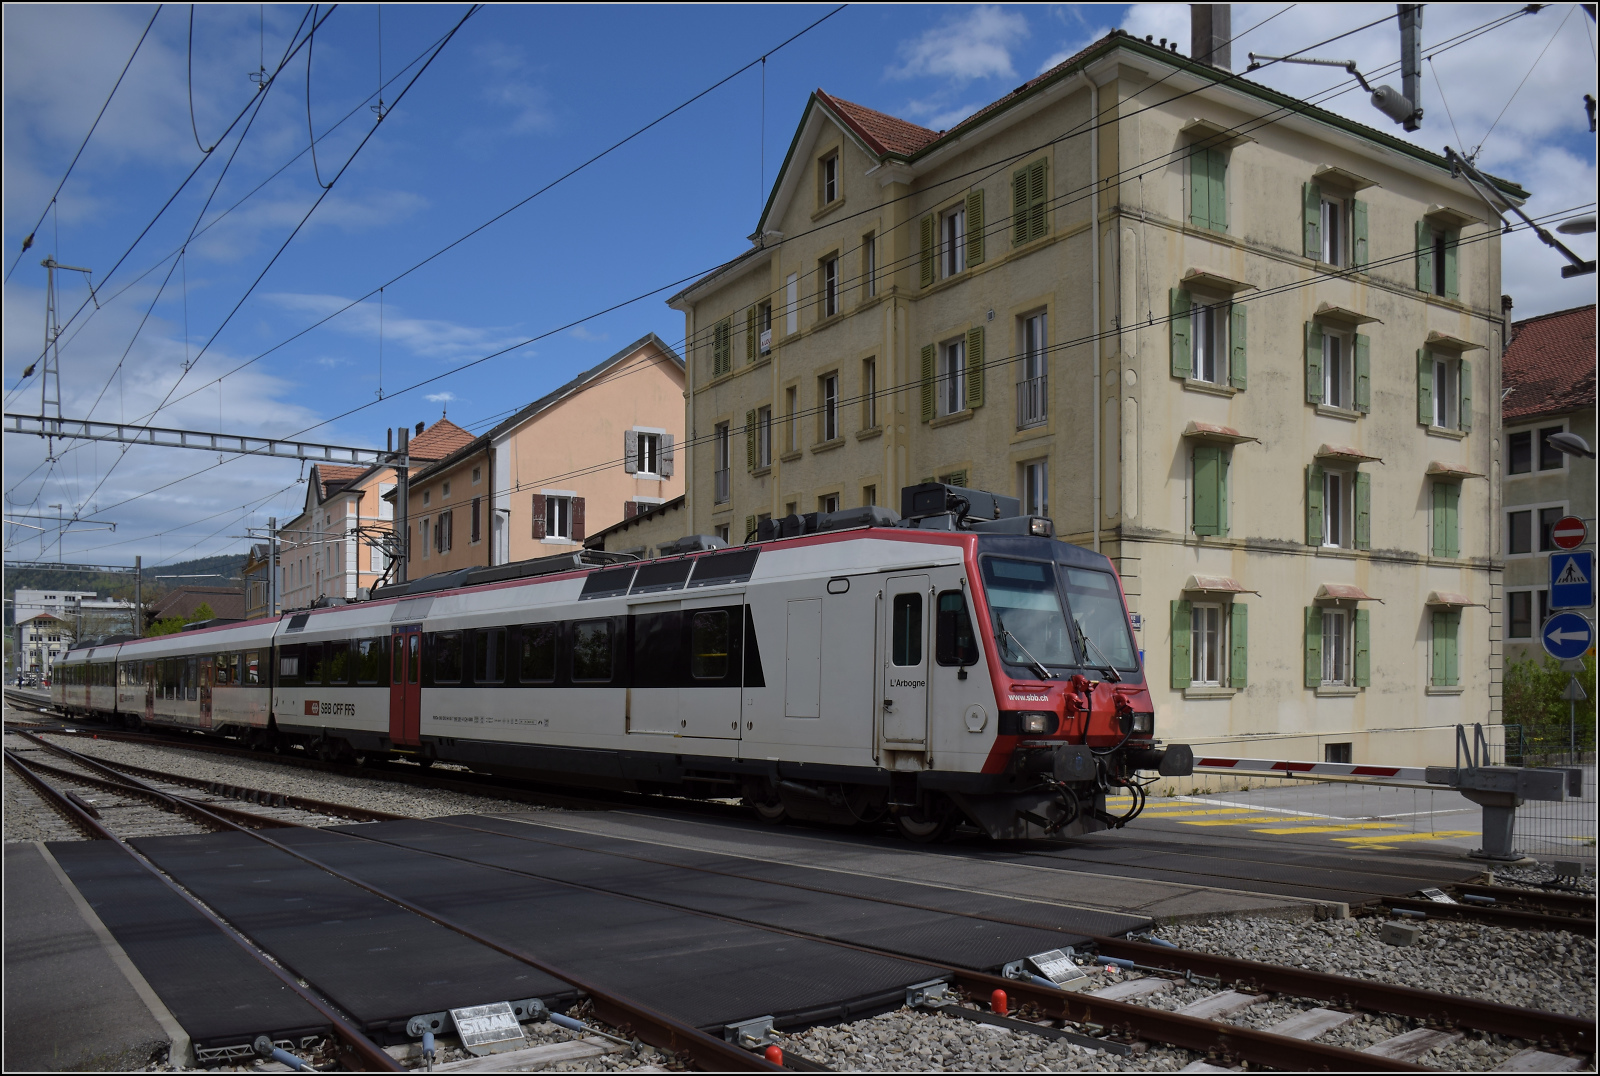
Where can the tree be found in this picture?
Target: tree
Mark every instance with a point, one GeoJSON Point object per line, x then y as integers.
{"type": "Point", "coordinates": [171, 625]}
{"type": "Point", "coordinates": [1534, 697]}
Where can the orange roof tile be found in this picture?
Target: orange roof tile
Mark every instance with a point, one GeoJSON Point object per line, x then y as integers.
{"type": "Point", "coordinates": [335, 477]}
{"type": "Point", "coordinates": [438, 441]}
{"type": "Point", "coordinates": [1549, 364]}
{"type": "Point", "coordinates": [883, 132]}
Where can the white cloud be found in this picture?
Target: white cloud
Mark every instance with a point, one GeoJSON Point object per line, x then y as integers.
{"type": "Point", "coordinates": [430, 338]}
{"type": "Point", "coordinates": [1067, 52]}
{"type": "Point", "coordinates": [506, 84]}
{"type": "Point", "coordinates": [440, 397]}
{"type": "Point", "coordinates": [976, 45]}
{"type": "Point", "coordinates": [589, 334]}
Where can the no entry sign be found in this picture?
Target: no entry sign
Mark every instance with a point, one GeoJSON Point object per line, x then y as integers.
{"type": "Point", "coordinates": [1569, 532]}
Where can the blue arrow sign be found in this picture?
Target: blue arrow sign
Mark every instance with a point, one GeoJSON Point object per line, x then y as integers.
{"type": "Point", "coordinates": [1567, 636]}
{"type": "Point", "coordinates": [1572, 580]}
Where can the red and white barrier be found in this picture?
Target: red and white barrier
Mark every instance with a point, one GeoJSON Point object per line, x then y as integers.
{"type": "Point", "coordinates": [1270, 767]}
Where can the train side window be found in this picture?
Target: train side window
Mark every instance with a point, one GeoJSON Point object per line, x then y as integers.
{"type": "Point", "coordinates": [191, 678]}
{"type": "Point", "coordinates": [252, 667]}
{"type": "Point", "coordinates": [447, 657]}
{"type": "Point", "coordinates": [369, 661]}
{"type": "Point", "coordinates": [591, 650]}
{"type": "Point", "coordinates": [709, 645]}
{"type": "Point", "coordinates": [289, 659]}
{"type": "Point", "coordinates": [398, 666]}
{"type": "Point", "coordinates": [956, 643]}
{"type": "Point", "coordinates": [312, 667]}
{"type": "Point", "coordinates": [220, 677]}
{"type": "Point", "coordinates": [338, 663]}
{"type": "Point", "coordinates": [489, 656]}
{"type": "Point", "coordinates": [536, 653]}
{"type": "Point", "coordinates": [908, 629]}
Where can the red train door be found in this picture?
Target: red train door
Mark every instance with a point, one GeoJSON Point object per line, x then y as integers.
{"type": "Point", "coordinates": [405, 686]}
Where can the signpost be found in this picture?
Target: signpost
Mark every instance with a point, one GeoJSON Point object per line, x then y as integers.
{"type": "Point", "coordinates": [1572, 579]}
{"type": "Point", "coordinates": [1567, 636]}
{"type": "Point", "coordinates": [1569, 532]}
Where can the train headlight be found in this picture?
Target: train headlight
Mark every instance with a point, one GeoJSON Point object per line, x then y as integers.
{"type": "Point", "coordinates": [1035, 724]}
{"type": "Point", "coordinates": [1145, 723]}
{"type": "Point", "coordinates": [1040, 528]}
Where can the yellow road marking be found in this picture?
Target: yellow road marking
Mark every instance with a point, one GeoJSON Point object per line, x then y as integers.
{"type": "Point", "coordinates": [1193, 814]}
{"type": "Point", "coordinates": [1251, 820]}
{"type": "Point", "coordinates": [1382, 840]}
{"type": "Point", "coordinates": [1332, 829]}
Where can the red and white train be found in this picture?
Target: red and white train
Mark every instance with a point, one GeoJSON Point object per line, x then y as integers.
{"type": "Point", "coordinates": [851, 667]}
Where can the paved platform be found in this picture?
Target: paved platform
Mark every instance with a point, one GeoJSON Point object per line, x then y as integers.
{"type": "Point", "coordinates": [74, 1001]}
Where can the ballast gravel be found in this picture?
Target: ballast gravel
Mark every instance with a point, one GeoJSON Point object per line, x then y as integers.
{"type": "Point", "coordinates": [375, 794]}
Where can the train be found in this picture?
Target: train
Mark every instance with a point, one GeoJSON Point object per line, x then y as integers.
{"type": "Point", "coordinates": [950, 663]}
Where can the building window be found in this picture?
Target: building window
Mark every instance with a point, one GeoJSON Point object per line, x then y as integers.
{"type": "Point", "coordinates": [444, 531]}
{"type": "Point", "coordinates": [953, 376]}
{"type": "Point", "coordinates": [1334, 240]}
{"type": "Point", "coordinates": [953, 235]}
{"type": "Point", "coordinates": [1519, 620]}
{"type": "Point", "coordinates": [1208, 336]}
{"type": "Point", "coordinates": [477, 523]}
{"type": "Point", "coordinates": [1441, 250]}
{"type": "Point", "coordinates": [477, 475]}
{"type": "Point", "coordinates": [444, 489]}
{"type": "Point", "coordinates": [1337, 752]}
{"type": "Point", "coordinates": [1210, 484]}
{"type": "Point", "coordinates": [1206, 646]}
{"type": "Point", "coordinates": [1033, 407]}
{"type": "Point", "coordinates": [1335, 646]}
{"type": "Point", "coordinates": [721, 475]}
{"type": "Point", "coordinates": [829, 391]}
{"type": "Point", "coordinates": [1337, 494]}
{"type": "Point", "coordinates": [1519, 452]}
{"type": "Point", "coordinates": [722, 531]}
{"type": "Point", "coordinates": [790, 406]}
{"type": "Point", "coordinates": [828, 502]}
{"type": "Point", "coordinates": [830, 287]}
{"type": "Point", "coordinates": [1337, 369]}
{"type": "Point", "coordinates": [1446, 393]}
{"type": "Point", "coordinates": [422, 533]}
{"type": "Point", "coordinates": [1036, 488]}
{"type": "Point", "coordinates": [1446, 653]}
{"type": "Point", "coordinates": [830, 179]}
{"type": "Point", "coordinates": [427, 495]}
{"type": "Point", "coordinates": [869, 394]}
{"type": "Point", "coordinates": [791, 304]}
{"type": "Point", "coordinates": [869, 496]}
{"type": "Point", "coordinates": [1519, 532]}
{"type": "Point", "coordinates": [764, 437]}
{"type": "Point", "coordinates": [1548, 518]}
{"type": "Point", "coordinates": [764, 319]}
{"type": "Point", "coordinates": [648, 457]}
{"type": "Point", "coordinates": [869, 264]}
{"type": "Point", "coordinates": [1551, 458]}
{"type": "Point", "coordinates": [1208, 188]}
{"type": "Point", "coordinates": [558, 517]}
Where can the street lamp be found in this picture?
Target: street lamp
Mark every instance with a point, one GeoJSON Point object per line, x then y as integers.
{"type": "Point", "coordinates": [1570, 444]}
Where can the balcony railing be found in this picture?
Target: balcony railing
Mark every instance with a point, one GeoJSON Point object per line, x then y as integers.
{"type": "Point", "coordinates": [1032, 402]}
{"type": "Point", "coordinates": [722, 481]}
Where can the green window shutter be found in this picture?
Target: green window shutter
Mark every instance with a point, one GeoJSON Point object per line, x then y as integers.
{"type": "Point", "coordinates": [975, 227]}
{"type": "Point", "coordinates": [1313, 646]}
{"type": "Point", "coordinates": [1199, 187]}
{"type": "Point", "coordinates": [751, 340]}
{"type": "Point", "coordinates": [1207, 489]}
{"type": "Point", "coordinates": [1311, 202]}
{"type": "Point", "coordinates": [1362, 650]}
{"type": "Point", "coordinates": [749, 527]}
{"type": "Point", "coordinates": [1313, 362]}
{"type": "Point", "coordinates": [1019, 207]}
{"type": "Point", "coordinates": [1178, 304]}
{"type": "Point", "coordinates": [1239, 645]}
{"type": "Point", "coordinates": [750, 440]}
{"type": "Point", "coordinates": [1222, 486]}
{"type": "Point", "coordinates": [1238, 337]}
{"type": "Point", "coordinates": [1364, 374]}
{"type": "Point", "coordinates": [1218, 202]}
{"type": "Point", "coordinates": [1313, 505]}
{"type": "Point", "coordinates": [1466, 396]}
{"type": "Point", "coordinates": [928, 353]}
{"type": "Point", "coordinates": [722, 347]}
{"type": "Point", "coordinates": [1180, 645]}
{"type": "Point", "coordinates": [1358, 234]}
{"type": "Point", "coordinates": [1424, 256]}
{"type": "Point", "coordinates": [1446, 519]}
{"type": "Point", "coordinates": [1363, 499]}
{"type": "Point", "coordinates": [1446, 652]}
{"type": "Point", "coordinates": [1037, 189]}
{"type": "Point", "coordinates": [927, 251]}
{"type": "Point", "coordinates": [1424, 386]}
{"type": "Point", "coordinates": [975, 366]}
{"type": "Point", "coordinates": [1452, 243]}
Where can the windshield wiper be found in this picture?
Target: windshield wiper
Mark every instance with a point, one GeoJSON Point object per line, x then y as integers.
{"type": "Point", "coordinates": [1110, 670]}
{"type": "Point", "coordinates": [1036, 663]}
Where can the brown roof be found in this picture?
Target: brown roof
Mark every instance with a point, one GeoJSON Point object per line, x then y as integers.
{"type": "Point", "coordinates": [883, 132]}
{"type": "Point", "coordinates": [227, 603]}
{"type": "Point", "coordinates": [335, 477]}
{"type": "Point", "coordinates": [439, 440]}
{"type": "Point", "coordinates": [1549, 364]}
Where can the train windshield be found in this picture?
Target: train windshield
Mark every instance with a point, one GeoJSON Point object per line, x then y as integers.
{"type": "Point", "coordinates": [1030, 626]}
{"type": "Point", "coordinates": [1101, 619]}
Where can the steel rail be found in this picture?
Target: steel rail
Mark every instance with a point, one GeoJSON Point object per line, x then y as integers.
{"type": "Point", "coordinates": [656, 1028]}
{"type": "Point", "coordinates": [358, 1048]}
{"type": "Point", "coordinates": [1582, 904]}
{"type": "Point", "coordinates": [1501, 917]}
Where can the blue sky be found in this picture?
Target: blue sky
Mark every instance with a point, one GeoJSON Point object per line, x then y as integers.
{"type": "Point", "coordinates": [520, 96]}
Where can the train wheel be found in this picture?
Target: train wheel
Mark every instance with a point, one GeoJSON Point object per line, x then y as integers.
{"type": "Point", "coordinates": [773, 814]}
{"type": "Point", "coordinates": [914, 827]}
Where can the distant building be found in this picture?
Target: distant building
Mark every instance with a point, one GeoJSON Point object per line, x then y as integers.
{"type": "Point", "coordinates": [85, 610]}
{"type": "Point", "coordinates": [1548, 388]}
{"type": "Point", "coordinates": [257, 575]}
{"type": "Point", "coordinates": [41, 639]}
{"type": "Point", "coordinates": [227, 603]}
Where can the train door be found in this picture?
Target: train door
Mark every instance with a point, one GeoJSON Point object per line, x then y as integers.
{"type": "Point", "coordinates": [405, 685]}
{"type": "Point", "coordinates": [207, 679]}
{"type": "Point", "coordinates": [713, 628]}
{"type": "Point", "coordinates": [148, 669]}
{"type": "Point", "coordinates": [904, 699]}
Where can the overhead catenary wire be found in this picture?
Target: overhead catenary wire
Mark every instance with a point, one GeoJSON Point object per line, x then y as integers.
{"type": "Point", "coordinates": [1531, 69]}
{"type": "Point", "coordinates": [193, 126]}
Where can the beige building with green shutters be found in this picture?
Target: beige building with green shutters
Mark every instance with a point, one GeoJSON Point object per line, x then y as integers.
{"type": "Point", "coordinates": [1246, 348]}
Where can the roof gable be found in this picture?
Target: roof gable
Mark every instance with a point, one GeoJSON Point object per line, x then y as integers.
{"type": "Point", "coordinates": [1549, 365]}
{"type": "Point", "coordinates": [585, 380]}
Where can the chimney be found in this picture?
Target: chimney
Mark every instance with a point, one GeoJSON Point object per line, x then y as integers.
{"type": "Point", "coordinates": [420, 427]}
{"type": "Point", "coordinates": [1210, 31]}
{"type": "Point", "coordinates": [1505, 306]}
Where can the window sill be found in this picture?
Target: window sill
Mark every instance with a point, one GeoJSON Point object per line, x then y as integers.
{"type": "Point", "coordinates": [790, 457]}
{"type": "Point", "coordinates": [759, 361]}
{"type": "Point", "coordinates": [1329, 411]}
{"type": "Point", "coordinates": [761, 472]}
{"type": "Point", "coordinates": [558, 541]}
{"type": "Point", "coordinates": [648, 476]}
{"type": "Point", "coordinates": [827, 321]}
{"type": "Point", "coordinates": [837, 203]}
{"type": "Point", "coordinates": [722, 507]}
{"type": "Point", "coordinates": [1337, 691]}
{"type": "Point", "coordinates": [951, 419]}
{"type": "Point", "coordinates": [1210, 692]}
{"type": "Point", "coordinates": [869, 433]}
{"type": "Point", "coordinates": [1339, 551]}
{"type": "Point", "coordinates": [1446, 689]}
{"type": "Point", "coordinates": [828, 446]}
{"type": "Point", "coordinates": [1443, 431]}
{"type": "Point", "coordinates": [1210, 387]}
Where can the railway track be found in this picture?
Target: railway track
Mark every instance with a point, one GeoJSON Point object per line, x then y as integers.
{"type": "Point", "coordinates": [1115, 1018]}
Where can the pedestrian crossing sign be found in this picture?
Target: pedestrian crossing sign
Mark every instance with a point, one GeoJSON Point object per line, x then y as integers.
{"type": "Point", "coordinates": [1572, 580]}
